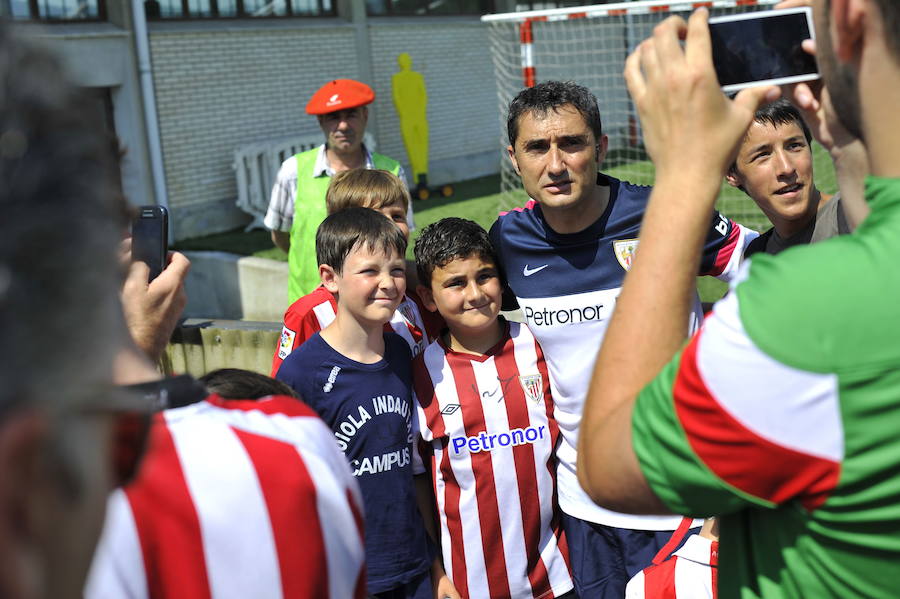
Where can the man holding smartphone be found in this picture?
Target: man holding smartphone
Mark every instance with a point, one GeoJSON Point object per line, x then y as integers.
{"type": "Point", "coordinates": [779, 414]}
{"type": "Point", "coordinates": [565, 256]}
{"type": "Point", "coordinates": [297, 205]}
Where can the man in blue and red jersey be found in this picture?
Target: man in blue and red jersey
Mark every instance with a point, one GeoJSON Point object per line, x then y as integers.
{"type": "Point", "coordinates": [565, 256]}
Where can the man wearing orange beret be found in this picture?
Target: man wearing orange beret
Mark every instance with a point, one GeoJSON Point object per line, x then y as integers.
{"type": "Point", "coordinates": [297, 205]}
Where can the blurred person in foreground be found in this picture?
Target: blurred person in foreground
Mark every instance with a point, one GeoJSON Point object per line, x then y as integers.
{"type": "Point", "coordinates": [779, 414]}
{"type": "Point", "coordinates": [60, 327]}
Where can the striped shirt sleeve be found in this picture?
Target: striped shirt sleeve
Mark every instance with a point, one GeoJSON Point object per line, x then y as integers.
{"type": "Point", "coordinates": [724, 247]}
{"type": "Point", "coordinates": [709, 428]}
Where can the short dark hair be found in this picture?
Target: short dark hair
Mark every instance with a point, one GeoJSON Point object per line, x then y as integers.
{"type": "Point", "coordinates": [356, 226]}
{"type": "Point", "coordinates": [551, 95]}
{"type": "Point", "coordinates": [236, 383]}
{"type": "Point", "coordinates": [62, 219]}
{"type": "Point", "coordinates": [782, 112]}
{"type": "Point", "coordinates": [779, 112]}
{"type": "Point", "coordinates": [448, 239]}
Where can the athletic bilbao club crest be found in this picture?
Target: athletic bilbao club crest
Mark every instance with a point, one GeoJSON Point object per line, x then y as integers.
{"type": "Point", "coordinates": [624, 250]}
{"type": "Point", "coordinates": [407, 312]}
{"type": "Point", "coordinates": [533, 386]}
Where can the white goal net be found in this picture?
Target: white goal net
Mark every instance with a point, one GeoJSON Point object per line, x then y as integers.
{"type": "Point", "coordinates": [588, 45]}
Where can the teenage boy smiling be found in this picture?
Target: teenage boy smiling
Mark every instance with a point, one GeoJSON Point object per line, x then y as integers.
{"type": "Point", "coordinates": [358, 378]}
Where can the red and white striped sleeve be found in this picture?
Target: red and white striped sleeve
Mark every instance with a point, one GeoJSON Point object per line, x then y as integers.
{"type": "Point", "coordinates": [303, 319]}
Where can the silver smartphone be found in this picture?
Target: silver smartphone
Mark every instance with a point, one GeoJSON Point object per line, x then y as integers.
{"type": "Point", "coordinates": [762, 48]}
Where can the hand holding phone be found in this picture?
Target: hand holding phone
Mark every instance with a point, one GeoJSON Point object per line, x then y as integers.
{"type": "Point", "coordinates": [762, 48]}
{"type": "Point", "coordinates": [150, 238]}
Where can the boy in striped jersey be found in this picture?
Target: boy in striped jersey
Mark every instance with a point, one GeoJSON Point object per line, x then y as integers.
{"type": "Point", "coordinates": [381, 191]}
{"type": "Point", "coordinates": [486, 415]}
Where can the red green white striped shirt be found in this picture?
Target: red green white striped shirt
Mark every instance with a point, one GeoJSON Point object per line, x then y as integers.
{"type": "Point", "coordinates": [782, 414]}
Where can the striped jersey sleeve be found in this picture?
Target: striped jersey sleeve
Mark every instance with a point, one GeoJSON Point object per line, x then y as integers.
{"type": "Point", "coordinates": [303, 319]}
{"type": "Point", "coordinates": [724, 247]}
{"type": "Point", "coordinates": [708, 429]}
{"type": "Point", "coordinates": [487, 423]}
{"type": "Point", "coordinates": [235, 499]}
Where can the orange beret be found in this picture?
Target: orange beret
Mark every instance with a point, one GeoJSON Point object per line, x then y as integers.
{"type": "Point", "coordinates": [340, 94]}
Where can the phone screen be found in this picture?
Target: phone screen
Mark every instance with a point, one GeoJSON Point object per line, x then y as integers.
{"type": "Point", "coordinates": [761, 47]}
{"type": "Point", "coordinates": [149, 238]}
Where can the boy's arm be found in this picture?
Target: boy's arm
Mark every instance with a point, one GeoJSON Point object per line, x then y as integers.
{"type": "Point", "coordinates": [440, 582]}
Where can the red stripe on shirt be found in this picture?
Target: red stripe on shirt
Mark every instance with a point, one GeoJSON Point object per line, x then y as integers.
{"type": "Point", "coordinates": [526, 470]}
{"type": "Point", "coordinates": [290, 407]}
{"type": "Point", "coordinates": [739, 456]}
{"type": "Point", "coordinates": [167, 523]}
{"type": "Point", "coordinates": [427, 398]}
{"type": "Point", "coordinates": [290, 495]}
{"type": "Point", "coordinates": [659, 580]}
{"type": "Point", "coordinates": [485, 488]}
{"type": "Point", "coordinates": [729, 247]}
{"type": "Point", "coordinates": [300, 318]}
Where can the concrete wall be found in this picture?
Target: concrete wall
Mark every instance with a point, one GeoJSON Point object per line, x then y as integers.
{"type": "Point", "coordinates": [101, 55]}
{"type": "Point", "coordinates": [220, 85]}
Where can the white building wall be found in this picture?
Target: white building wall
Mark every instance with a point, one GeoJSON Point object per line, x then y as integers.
{"type": "Point", "coordinates": [220, 87]}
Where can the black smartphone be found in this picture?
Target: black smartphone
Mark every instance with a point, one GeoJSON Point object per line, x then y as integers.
{"type": "Point", "coordinates": [762, 48]}
{"type": "Point", "coordinates": [150, 238]}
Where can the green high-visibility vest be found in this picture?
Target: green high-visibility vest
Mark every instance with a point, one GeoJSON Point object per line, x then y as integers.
{"type": "Point", "coordinates": [309, 212]}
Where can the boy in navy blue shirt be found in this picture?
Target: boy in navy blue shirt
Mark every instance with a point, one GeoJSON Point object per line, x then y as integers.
{"type": "Point", "coordinates": [358, 378]}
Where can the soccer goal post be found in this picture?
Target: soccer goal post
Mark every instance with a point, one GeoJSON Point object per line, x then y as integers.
{"type": "Point", "coordinates": [588, 45]}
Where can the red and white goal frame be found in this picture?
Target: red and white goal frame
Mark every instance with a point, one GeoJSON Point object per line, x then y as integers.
{"type": "Point", "coordinates": [588, 45]}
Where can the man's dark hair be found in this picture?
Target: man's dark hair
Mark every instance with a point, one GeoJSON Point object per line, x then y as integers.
{"type": "Point", "coordinates": [60, 223]}
{"type": "Point", "coordinates": [236, 383]}
{"type": "Point", "coordinates": [450, 239]}
{"type": "Point", "coordinates": [551, 95]}
{"type": "Point", "coordinates": [342, 231]}
{"type": "Point", "coordinates": [777, 113]}
{"type": "Point", "coordinates": [782, 112]}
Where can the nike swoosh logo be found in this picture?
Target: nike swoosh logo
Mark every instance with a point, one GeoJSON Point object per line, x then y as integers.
{"type": "Point", "coordinates": [530, 271]}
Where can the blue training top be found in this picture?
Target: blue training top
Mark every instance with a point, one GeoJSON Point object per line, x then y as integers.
{"type": "Point", "coordinates": [369, 408]}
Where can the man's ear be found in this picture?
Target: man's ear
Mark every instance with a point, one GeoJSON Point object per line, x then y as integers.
{"type": "Point", "coordinates": [23, 438]}
{"type": "Point", "coordinates": [329, 277]}
{"type": "Point", "coordinates": [512, 158]}
{"type": "Point", "coordinates": [427, 297]}
{"type": "Point", "coordinates": [602, 147]}
{"type": "Point", "coordinates": [848, 23]}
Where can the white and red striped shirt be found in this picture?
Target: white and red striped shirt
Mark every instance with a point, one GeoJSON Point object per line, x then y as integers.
{"type": "Point", "coordinates": [317, 309]}
{"type": "Point", "coordinates": [690, 573]}
{"type": "Point", "coordinates": [235, 499]}
{"type": "Point", "coordinates": [488, 422]}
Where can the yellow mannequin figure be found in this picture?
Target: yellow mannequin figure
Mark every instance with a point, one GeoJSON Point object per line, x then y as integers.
{"type": "Point", "coordinates": [411, 101]}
